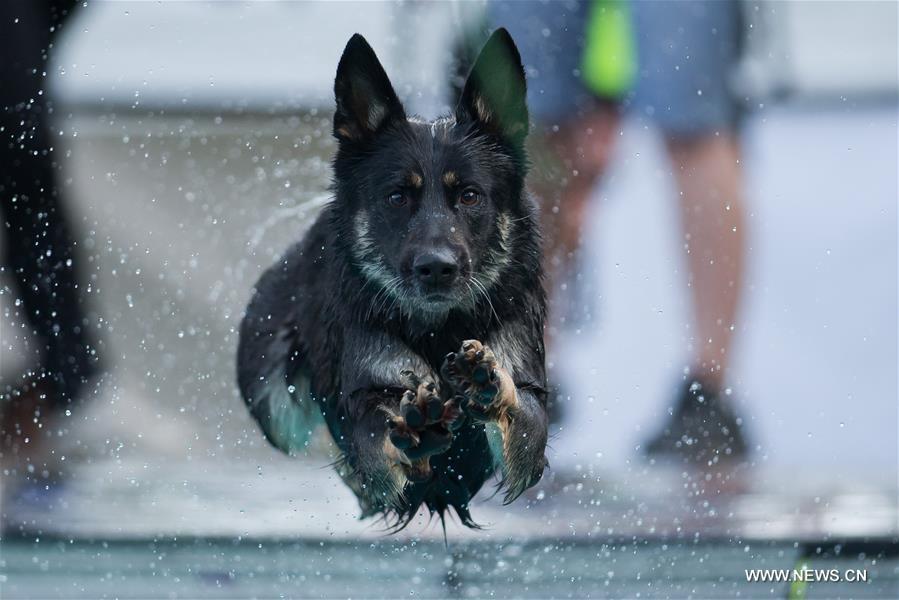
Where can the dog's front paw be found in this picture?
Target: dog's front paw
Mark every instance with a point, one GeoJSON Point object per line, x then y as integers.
{"type": "Point", "coordinates": [423, 427]}
{"type": "Point", "coordinates": [476, 377]}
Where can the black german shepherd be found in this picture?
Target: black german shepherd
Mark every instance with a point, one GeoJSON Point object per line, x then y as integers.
{"type": "Point", "coordinates": [411, 315]}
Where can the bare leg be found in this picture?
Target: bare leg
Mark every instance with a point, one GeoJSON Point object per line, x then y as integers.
{"type": "Point", "coordinates": [709, 176]}
{"type": "Point", "coordinates": [567, 164]}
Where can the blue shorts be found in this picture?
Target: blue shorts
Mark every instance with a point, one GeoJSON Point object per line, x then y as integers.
{"type": "Point", "coordinates": [686, 54]}
{"type": "Point", "coordinates": [550, 37]}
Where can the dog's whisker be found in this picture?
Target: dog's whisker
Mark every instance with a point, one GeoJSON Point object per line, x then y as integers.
{"type": "Point", "coordinates": [480, 286]}
{"type": "Point", "coordinates": [472, 290]}
{"type": "Point", "coordinates": [382, 296]}
{"type": "Point", "coordinates": [391, 295]}
{"type": "Point", "coordinates": [371, 305]}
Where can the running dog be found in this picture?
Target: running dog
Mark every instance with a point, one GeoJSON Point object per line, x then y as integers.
{"type": "Point", "coordinates": [410, 316]}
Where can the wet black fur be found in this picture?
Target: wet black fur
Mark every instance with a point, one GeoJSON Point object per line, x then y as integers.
{"type": "Point", "coordinates": [316, 316]}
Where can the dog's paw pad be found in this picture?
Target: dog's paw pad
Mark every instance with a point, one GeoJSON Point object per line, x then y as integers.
{"type": "Point", "coordinates": [473, 373]}
{"type": "Point", "coordinates": [423, 425]}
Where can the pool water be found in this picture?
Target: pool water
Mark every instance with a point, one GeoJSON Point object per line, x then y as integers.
{"type": "Point", "coordinates": [245, 568]}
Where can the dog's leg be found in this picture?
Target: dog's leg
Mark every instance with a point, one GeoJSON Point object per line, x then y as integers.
{"type": "Point", "coordinates": [489, 394]}
{"type": "Point", "coordinates": [274, 377]}
{"type": "Point", "coordinates": [391, 417]}
{"type": "Point", "coordinates": [391, 438]}
{"type": "Point", "coordinates": [421, 427]}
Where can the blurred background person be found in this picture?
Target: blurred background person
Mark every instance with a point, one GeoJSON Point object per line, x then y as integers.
{"type": "Point", "coordinates": [581, 62]}
{"type": "Point", "coordinates": [40, 254]}
{"type": "Point", "coordinates": [687, 54]}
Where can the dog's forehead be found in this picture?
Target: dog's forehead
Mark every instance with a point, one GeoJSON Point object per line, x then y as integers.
{"type": "Point", "coordinates": [439, 145]}
{"type": "Point", "coordinates": [438, 129]}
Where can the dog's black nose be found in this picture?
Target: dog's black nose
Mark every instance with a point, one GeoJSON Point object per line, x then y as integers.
{"type": "Point", "coordinates": [435, 268]}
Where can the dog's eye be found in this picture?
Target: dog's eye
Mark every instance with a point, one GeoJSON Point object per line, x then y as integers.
{"type": "Point", "coordinates": [470, 197]}
{"type": "Point", "coordinates": [396, 199]}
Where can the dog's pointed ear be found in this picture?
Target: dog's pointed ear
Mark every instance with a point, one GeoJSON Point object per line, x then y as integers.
{"type": "Point", "coordinates": [365, 98]}
{"type": "Point", "coordinates": [494, 95]}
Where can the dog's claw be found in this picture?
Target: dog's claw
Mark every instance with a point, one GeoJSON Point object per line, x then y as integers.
{"type": "Point", "coordinates": [409, 379]}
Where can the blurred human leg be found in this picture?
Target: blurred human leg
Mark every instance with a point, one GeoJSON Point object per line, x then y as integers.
{"type": "Point", "coordinates": [688, 51]}
{"type": "Point", "coordinates": [579, 61]}
{"type": "Point", "coordinates": [39, 249]}
{"type": "Point", "coordinates": [709, 178]}
{"type": "Point", "coordinates": [575, 119]}
{"type": "Point", "coordinates": [567, 165]}
{"type": "Point", "coordinates": [703, 426]}
{"type": "Point", "coordinates": [41, 259]}
{"type": "Point", "coordinates": [47, 291]}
